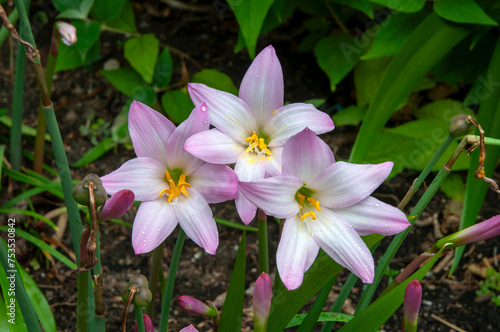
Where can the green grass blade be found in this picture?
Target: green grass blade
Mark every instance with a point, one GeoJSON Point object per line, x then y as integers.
{"type": "Point", "coordinates": [323, 317]}
{"type": "Point", "coordinates": [23, 196]}
{"type": "Point", "coordinates": [20, 325]}
{"type": "Point", "coordinates": [31, 214]}
{"type": "Point", "coordinates": [96, 152]}
{"type": "Point", "coordinates": [312, 317]}
{"type": "Point", "coordinates": [235, 225]}
{"type": "Point", "coordinates": [431, 41]}
{"type": "Point", "coordinates": [232, 312]}
{"type": "Point", "coordinates": [2, 151]}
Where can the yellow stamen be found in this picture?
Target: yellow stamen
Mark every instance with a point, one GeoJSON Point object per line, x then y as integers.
{"type": "Point", "coordinates": [275, 111]}
{"type": "Point", "coordinates": [317, 206]}
{"type": "Point", "coordinates": [313, 216]}
{"type": "Point", "coordinates": [301, 199]}
{"type": "Point", "coordinates": [257, 144]}
{"type": "Point", "coordinates": [304, 216]}
{"type": "Point", "coordinates": [175, 190]}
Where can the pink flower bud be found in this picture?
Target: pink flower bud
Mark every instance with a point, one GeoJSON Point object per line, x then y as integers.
{"type": "Point", "coordinates": [117, 205]}
{"type": "Point", "coordinates": [195, 307]}
{"type": "Point", "coordinates": [189, 328]}
{"type": "Point", "coordinates": [483, 231]}
{"type": "Point", "coordinates": [262, 295]}
{"type": "Point", "coordinates": [413, 297]}
{"type": "Point", "coordinates": [148, 325]}
{"type": "Point", "coordinates": [67, 32]}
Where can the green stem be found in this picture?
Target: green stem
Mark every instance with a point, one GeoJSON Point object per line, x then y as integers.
{"type": "Point", "coordinates": [491, 141]}
{"type": "Point", "coordinates": [41, 124]}
{"type": "Point", "coordinates": [398, 239]}
{"type": "Point", "coordinates": [139, 318]}
{"type": "Point", "coordinates": [17, 109]}
{"type": "Point", "coordinates": [263, 242]}
{"type": "Point", "coordinates": [13, 17]}
{"type": "Point", "coordinates": [169, 289]}
{"type": "Point", "coordinates": [81, 298]}
{"type": "Point", "coordinates": [312, 317]}
{"type": "Point", "coordinates": [153, 276]}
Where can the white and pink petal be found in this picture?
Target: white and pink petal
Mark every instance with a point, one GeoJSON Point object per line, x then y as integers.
{"type": "Point", "coordinates": [216, 183]}
{"type": "Point", "coordinates": [215, 147]}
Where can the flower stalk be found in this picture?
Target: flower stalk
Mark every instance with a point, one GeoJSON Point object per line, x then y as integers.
{"type": "Point", "coordinates": [263, 242]}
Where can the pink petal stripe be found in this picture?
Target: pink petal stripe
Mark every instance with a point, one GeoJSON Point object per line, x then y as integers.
{"type": "Point", "coordinates": [262, 86]}
{"type": "Point", "coordinates": [155, 220]}
{"type": "Point", "coordinates": [292, 119]}
{"type": "Point", "coordinates": [228, 113]}
{"type": "Point", "coordinates": [344, 184]}
{"type": "Point", "coordinates": [195, 217]}
{"type": "Point", "coordinates": [341, 242]}
{"type": "Point", "coordinates": [144, 176]}
{"type": "Point", "coordinates": [149, 131]}
{"type": "Point", "coordinates": [305, 156]}
{"type": "Point", "coordinates": [197, 122]}
{"type": "Point", "coordinates": [370, 216]}
{"type": "Point", "coordinates": [214, 147]}
{"type": "Point", "coordinates": [273, 162]}
{"type": "Point", "coordinates": [216, 183]}
{"type": "Point", "coordinates": [275, 196]}
{"type": "Point", "coordinates": [297, 250]}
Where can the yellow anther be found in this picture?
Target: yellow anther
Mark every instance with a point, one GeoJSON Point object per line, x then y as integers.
{"type": "Point", "coordinates": [175, 190]}
{"type": "Point", "coordinates": [275, 111]}
{"type": "Point", "coordinates": [257, 144]}
{"type": "Point", "coordinates": [317, 206]}
{"type": "Point", "coordinates": [304, 216]}
{"type": "Point", "coordinates": [301, 198]}
{"type": "Point", "coordinates": [313, 216]}
{"type": "Point", "coordinates": [311, 200]}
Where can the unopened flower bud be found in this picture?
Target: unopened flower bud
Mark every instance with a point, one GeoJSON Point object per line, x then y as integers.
{"type": "Point", "coordinates": [81, 191]}
{"type": "Point", "coordinates": [139, 280]}
{"type": "Point", "coordinates": [117, 205]}
{"type": "Point", "coordinates": [460, 125]}
{"type": "Point", "coordinates": [189, 328]}
{"type": "Point", "coordinates": [412, 300]}
{"type": "Point", "coordinates": [262, 295]}
{"type": "Point", "coordinates": [195, 307]}
{"type": "Point", "coordinates": [148, 325]}
{"type": "Point", "coordinates": [67, 32]}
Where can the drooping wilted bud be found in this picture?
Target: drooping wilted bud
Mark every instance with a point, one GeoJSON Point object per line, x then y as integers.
{"type": "Point", "coordinates": [142, 296]}
{"type": "Point", "coordinates": [195, 307]}
{"type": "Point", "coordinates": [81, 191]}
{"type": "Point", "coordinates": [148, 324]}
{"type": "Point", "coordinates": [117, 205]}
{"type": "Point", "coordinates": [262, 295]}
{"type": "Point", "coordinates": [460, 125]}
{"type": "Point", "coordinates": [412, 300]}
{"type": "Point", "coordinates": [67, 32]}
{"type": "Point", "coordinates": [84, 255]}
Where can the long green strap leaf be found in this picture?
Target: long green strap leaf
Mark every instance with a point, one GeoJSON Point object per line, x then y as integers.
{"type": "Point", "coordinates": [431, 41]}
{"type": "Point", "coordinates": [323, 317]}
{"type": "Point", "coordinates": [232, 312]}
{"type": "Point", "coordinates": [20, 325]}
{"type": "Point", "coordinates": [489, 119]}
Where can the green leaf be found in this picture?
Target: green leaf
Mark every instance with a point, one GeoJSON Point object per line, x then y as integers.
{"type": "Point", "coordinates": [367, 77]}
{"type": "Point", "coordinates": [177, 105]}
{"type": "Point", "coordinates": [73, 9]}
{"type": "Point", "coordinates": [374, 316]}
{"type": "Point", "coordinates": [87, 33]}
{"type": "Point", "coordinates": [250, 15]}
{"type": "Point", "coordinates": [462, 11]}
{"type": "Point", "coordinates": [163, 70]}
{"type": "Point", "coordinates": [4, 325]}
{"type": "Point", "coordinates": [407, 6]}
{"type": "Point", "coordinates": [125, 21]}
{"type": "Point", "coordinates": [232, 312]}
{"type": "Point", "coordinates": [323, 317]}
{"type": "Point", "coordinates": [104, 10]}
{"type": "Point", "coordinates": [31, 214]}
{"type": "Point", "coordinates": [20, 325]}
{"type": "Point", "coordinates": [432, 39]}
{"type": "Point", "coordinates": [2, 151]}
{"type": "Point", "coordinates": [25, 129]}
{"type": "Point", "coordinates": [124, 79]}
{"type": "Point", "coordinates": [96, 152]}
{"type": "Point", "coordinates": [142, 53]}
{"type": "Point", "coordinates": [39, 302]}
{"type": "Point", "coordinates": [216, 80]}
{"type": "Point", "coordinates": [361, 5]}
{"type": "Point", "coordinates": [337, 55]}
{"type": "Point", "coordinates": [119, 129]}
{"type": "Point", "coordinates": [393, 33]}
{"type": "Point", "coordinates": [235, 225]}
{"type": "Point", "coordinates": [454, 187]}
{"type": "Point", "coordinates": [351, 116]}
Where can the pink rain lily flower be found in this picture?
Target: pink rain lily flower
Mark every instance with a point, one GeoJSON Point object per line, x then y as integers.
{"type": "Point", "coordinates": [251, 130]}
{"type": "Point", "coordinates": [174, 186]}
{"type": "Point", "coordinates": [189, 328]}
{"type": "Point", "coordinates": [326, 204]}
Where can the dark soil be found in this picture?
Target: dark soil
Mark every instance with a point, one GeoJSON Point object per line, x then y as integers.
{"type": "Point", "coordinates": [209, 38]}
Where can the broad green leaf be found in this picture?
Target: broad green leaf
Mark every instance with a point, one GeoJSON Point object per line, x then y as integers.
{"type": "Point", "coordinates": [407, 6]}
{"type": "Point", "coordinates": [142, 53]}
{"type": "Point", "coordinates": [232, 312]}
{"type": "Point", "coordinates": [462, 11]}
{"type": "Point", "coordinates": [125, 21]}
{"type": "Point", "coordinates": [441, 112]}
{"type": "Point", "coordinates": [393, 33]}
{"type": "Point", "coordinates": [286, 304]}
{"type": "Point", "coordinates": [374, 316]}
{"type": "Point", "coordinates": [87, 33]}
{"type": "Point", "coordinates": [489, 118]}
{"type": "Point", "coordinates": [351, 116]}
{"type": "Point", "coordinates": [431, 41]}
{"type": "Point", "coordinates": [337, 55]}
{"type": "Point", "coordinates": [163, 70]}
{"type": "Point", "coordinates": [454, 187]}
{"type": "Point", "coordinates": [323, 317]}
{"type": "Point", "coordinates": [73, 9]}
{"type": "Point", "coordinates": [39, 302]}
{"type": "Point", "coordinates": [367, 77]}
{"type": "Point", "coordinates": [216, 80]}
{"type": "Point", "coordinates": [96, 152]}
{"type": "Point", "coordinates": [104, 10]}
{"type": "Point", "coordinates": [124, 79]}
{"type": "Point", "coordinates": [250, 15]}
{"type": "Point", "coordinates": [119, 129]}
{"type": "Point", "coordinates": [361, 5]}
{"type": "Point", "coordinates": [283, 8]}
{"type": "Point", "coordinates": [177, 105]}
{"type": "Point", "coordinates": [316, 24]}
